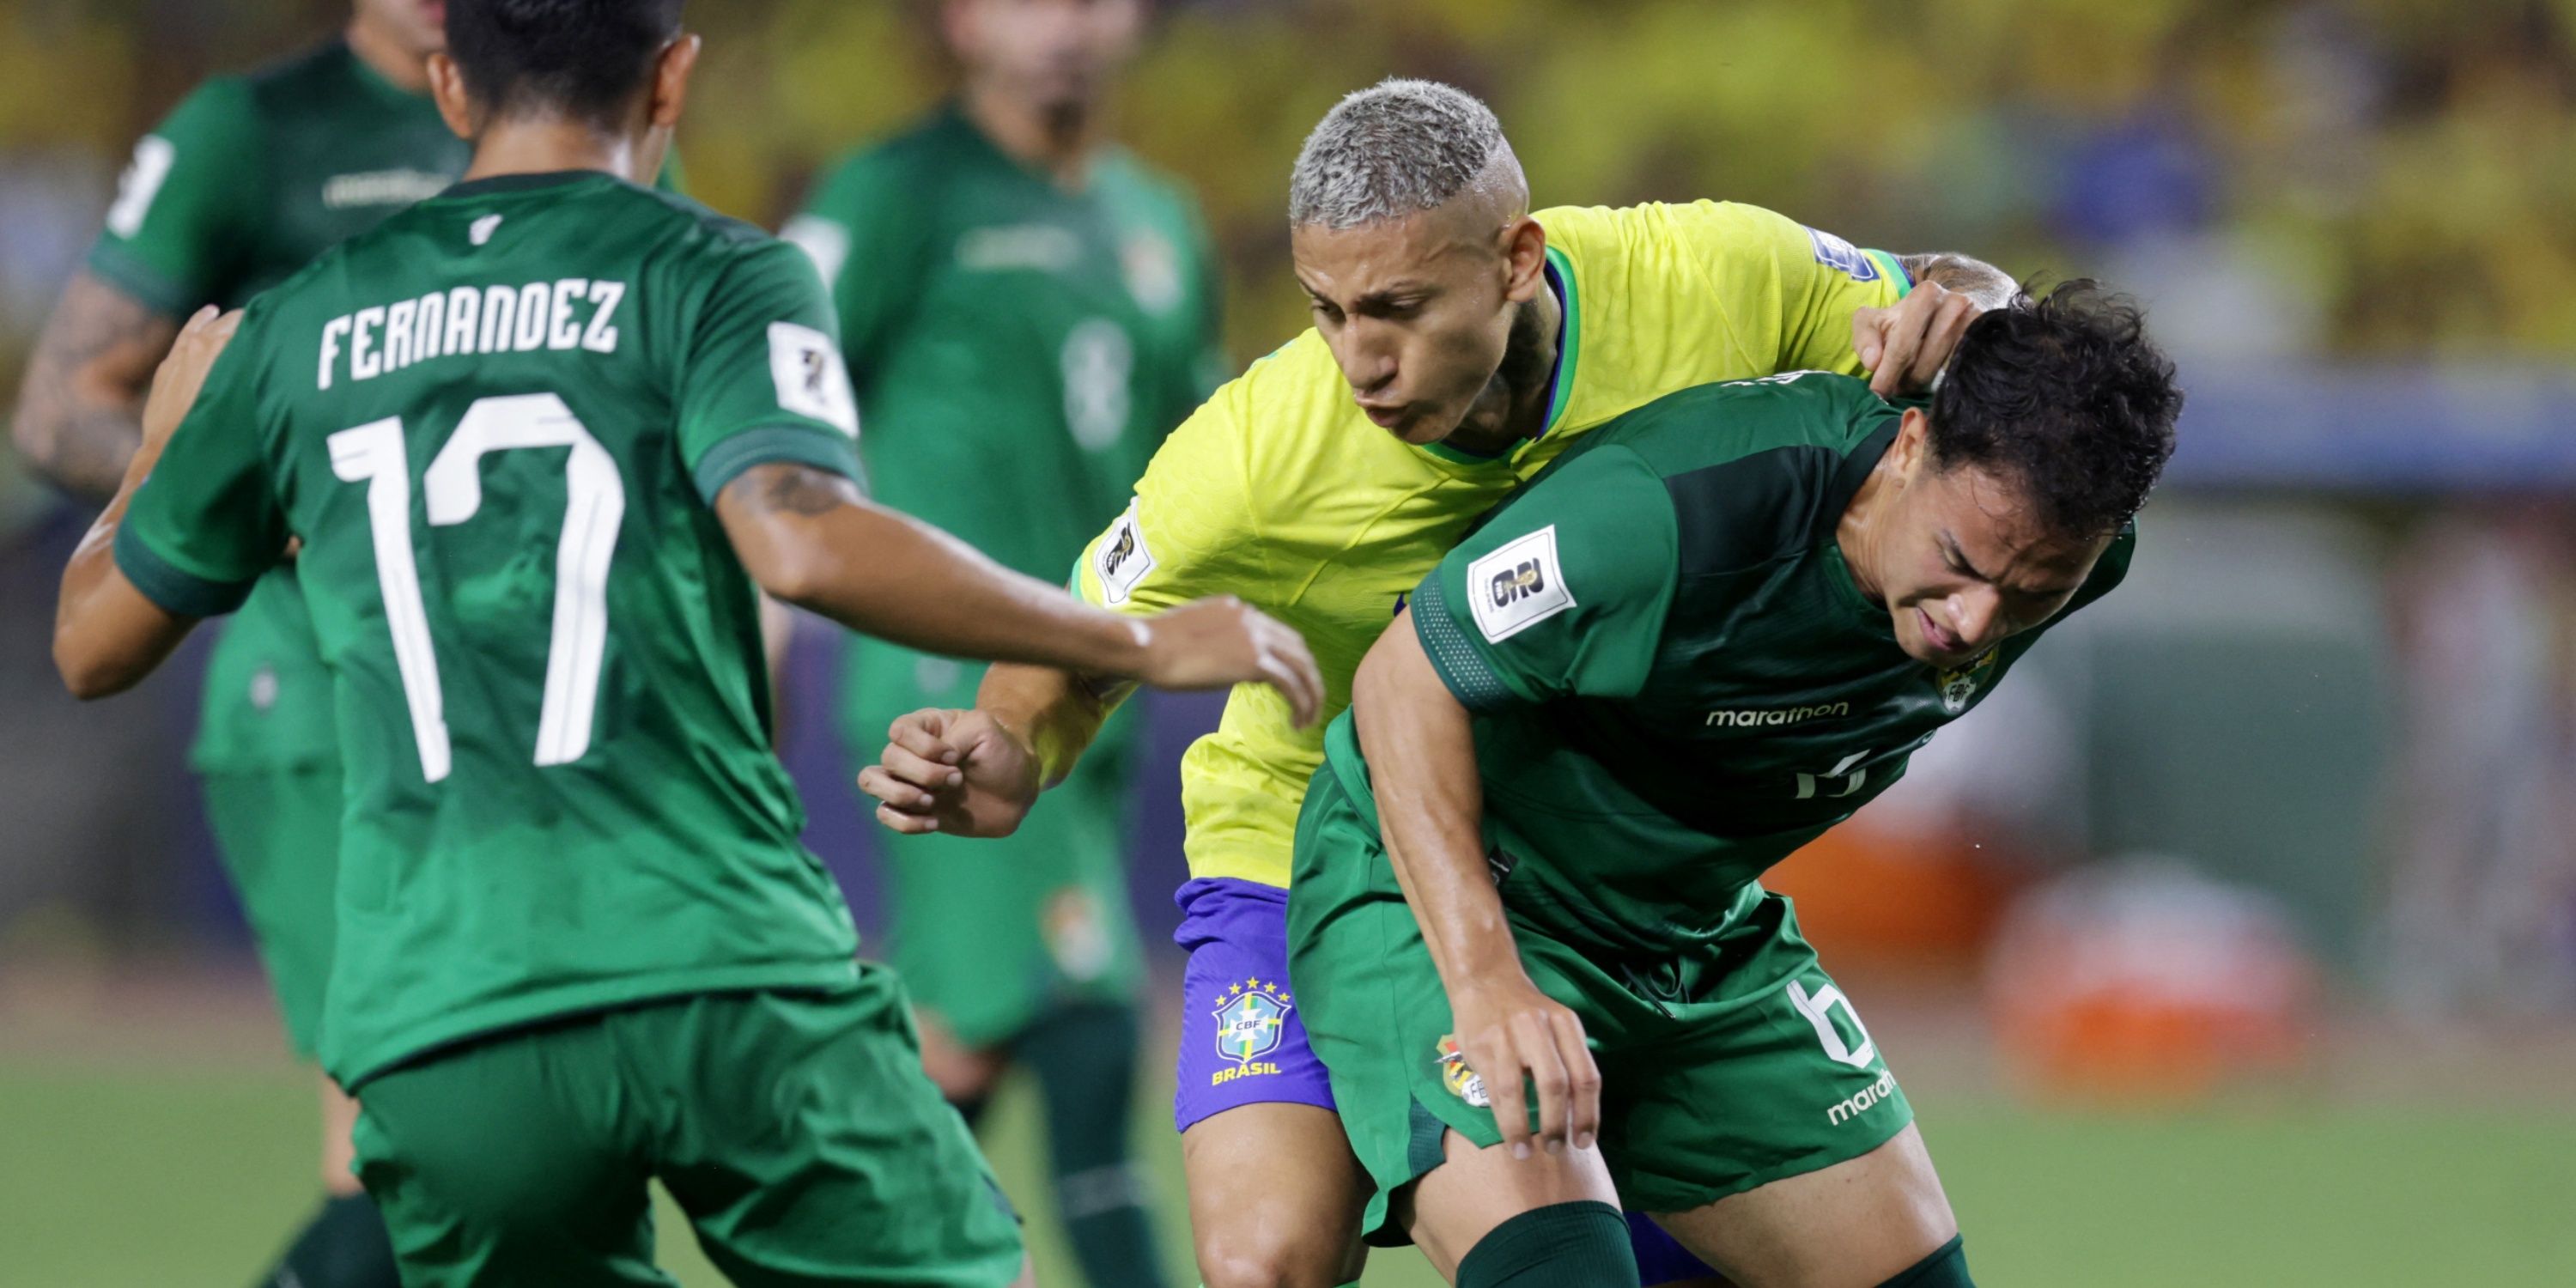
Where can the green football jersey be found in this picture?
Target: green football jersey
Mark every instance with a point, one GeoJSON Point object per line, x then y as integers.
{"type": "Point", "coordinates": [245, 182]}
{"type": "Point", "coordinates": [1019, 349]}
{"type": "Point", "coordinates": [1675, 680]}
{"type": "Point", "coordinates": [497, 423]}
{"type": "Point", "coordinates": [248, 179]}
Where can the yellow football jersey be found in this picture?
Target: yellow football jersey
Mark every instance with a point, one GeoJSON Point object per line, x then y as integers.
{"type": "Point", "coordinates": [1280, 491]}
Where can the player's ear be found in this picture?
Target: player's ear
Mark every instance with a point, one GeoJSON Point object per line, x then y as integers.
{"type": "Point", "coordinates": [671, 80]}
{"type": "Point", "coordinates": [1913, 443]}
{"type": "Point", "coordinates": [447, 89]}
{"type": "Point", "coordinates": [1524, 259]}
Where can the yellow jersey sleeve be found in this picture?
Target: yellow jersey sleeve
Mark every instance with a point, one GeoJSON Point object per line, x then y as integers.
{"type": "Point", "coordinates": [1190, 532]}
{"type": "Point", "coordinates": [1789, 285]}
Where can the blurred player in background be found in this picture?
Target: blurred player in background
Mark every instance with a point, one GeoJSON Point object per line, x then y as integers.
{"type": "Point", "coordinates": [1460, 343]}
{"type": "Point", "coordinates": [1529, 870]}
{"type": "Point", "coordinates": [538, 439]}
{"type": "Point", "coordinates": [249, 179]}
{"type": "Point", "coordinates": [1027, 310]}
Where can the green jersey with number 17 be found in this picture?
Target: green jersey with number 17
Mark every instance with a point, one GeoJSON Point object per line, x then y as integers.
{"type": "Point", "coordinates": [1675, 680]}
{"type": "Point", "coordinates": [497, 423]}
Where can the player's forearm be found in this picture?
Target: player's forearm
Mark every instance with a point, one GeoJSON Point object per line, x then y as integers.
{"type": "Point", "coordinates": [810, 540]}
{"type": "Point", "coordinates": [79, 415]}
{"type": "Point", "coordinates": [1054, 713]}
{"type": "Point", "coordinates": [1421, 752]}
{"type": "Point", "coordinates": [1984, 284]}
{"type": "Point", "coordinates": [107, 637]}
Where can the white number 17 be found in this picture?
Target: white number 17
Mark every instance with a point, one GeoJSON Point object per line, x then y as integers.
{"type": "Point", "coordinates": [452, 492]}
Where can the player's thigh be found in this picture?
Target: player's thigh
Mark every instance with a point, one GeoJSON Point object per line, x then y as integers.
{"type": "Point", "coordinates": [339, 1145]}
{"type": "Point", "coordinates": [1476, 1188]}
{"type": "Point", "coordinates": [515, 1160]}
{"type": "Point", "coordinates": [808, 1147]}
{"type": "Point", "coordinates": [277, 830]}
{"type": "Point", "coordinates": [1275, 1197]}
{"type": "Point", "coordinates": [1859, 1222]}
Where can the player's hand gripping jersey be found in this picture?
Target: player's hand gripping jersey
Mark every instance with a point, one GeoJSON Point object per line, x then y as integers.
{"type": "Point", "coordinates": [497, 423]}
{"type": "Point", "coordinates": [1281, 491]}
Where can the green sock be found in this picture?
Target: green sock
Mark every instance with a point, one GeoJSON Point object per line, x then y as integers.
{"type": "Point", "coordinates": [1084, 1058]}
{"type": "Point", "coordinates": [1562, 1245]}
{"type": "Point", "coordinates": [343, 1246]}
{"type": "Point", "coordinates": [1947, 1268]}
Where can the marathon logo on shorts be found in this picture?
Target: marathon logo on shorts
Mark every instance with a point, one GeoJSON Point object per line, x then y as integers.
{"type": "Point", "coordinates": [1861, 1101]}
{"type": "Point", "coordinates": [1251, 1024]}
{"type": "Point", "coordinates": [1518, 586]}
{"type": "Point", "coordinates": [1123, 558]}
{"type": "Point", "coordinates": [1463, 1082]}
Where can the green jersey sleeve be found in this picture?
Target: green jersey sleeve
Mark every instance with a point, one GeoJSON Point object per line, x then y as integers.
{"type": "Point", "coordinates": [207, 522]}
{"type": "Point", "coordinates": [1562, 594]}
{"type": "Point", "coordinates": [867, 229]}
{"type": "Point", "coordinates": [185, 205]}
{"type": "Point", "coordinates": [761, 379]}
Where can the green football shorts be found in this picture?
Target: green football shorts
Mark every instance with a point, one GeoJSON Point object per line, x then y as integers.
{"type": "Point", "coordinates": [795, 1128]}
{"type": "Point", "coordinates": [278, 831]}
{"type": "Point", "coordinates": [1722, 1069]}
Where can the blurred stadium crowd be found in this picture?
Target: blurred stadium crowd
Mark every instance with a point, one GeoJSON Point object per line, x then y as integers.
{"type": "Point", "coordinates": [2367, 177]}
{"type": "Point", "coordinates": [2298, 187]}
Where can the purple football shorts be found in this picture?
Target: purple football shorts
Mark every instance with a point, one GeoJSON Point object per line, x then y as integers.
{"type": "Point", "coordinates": [1241, 1040]}
{"type": "Point", "coordinates": [1242, 1043]}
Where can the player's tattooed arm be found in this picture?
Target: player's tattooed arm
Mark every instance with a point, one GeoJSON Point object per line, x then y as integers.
{"type": "Point", "coordinates": [1905, 345]}
{"type": "Point", "coordinates": [107, 634]}
{"type": "Point", "coordinates": [80, 407]}
{"type": "Point", "coordinates": [809, 538]}
{"type": "Point", "coordinates": [1421, 753]}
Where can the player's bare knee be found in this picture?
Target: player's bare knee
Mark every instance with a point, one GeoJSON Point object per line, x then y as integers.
{"type": "Point", "coordinates": [1270, 1256]}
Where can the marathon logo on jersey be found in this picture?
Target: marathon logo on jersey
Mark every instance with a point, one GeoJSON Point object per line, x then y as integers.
{"type": "Point", "coordinates": [1959, 685]}
{"type": "Point", "coordinates": [1461, 1079]}
{"type": "Point", "coordinates": [1518, 586]}
{"type": "Point", "coordinates": [1834, 252]}
{"type": "Point", "coordinates": [1123, 558]}
{"type": "Point", "coordinates": [571, 313]}
{"type": "Point", "coordinates": [1251, 1024]}
{"type": "Point", "coordinates": [383, 188]}
{"type": "Point", "coordinates": [812, 380]}
{"type": "Point", "coordinates": [1776, 716]}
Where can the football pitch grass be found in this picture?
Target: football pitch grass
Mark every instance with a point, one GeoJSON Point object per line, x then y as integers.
{"type": "Point", "coordinates": [115, 1174]}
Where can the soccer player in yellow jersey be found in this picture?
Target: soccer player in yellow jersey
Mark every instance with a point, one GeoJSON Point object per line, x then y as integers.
{"type": "Point", "coordinates": [1460, 343]}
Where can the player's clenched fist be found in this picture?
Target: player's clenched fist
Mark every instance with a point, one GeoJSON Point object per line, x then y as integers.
{"type": "Point", "coordinates": [1904, 345]}
{"type": "Point", "coordinates": [959, 772]}
{"type": "Point", "coordinates": [1515, 1036]}
{"type": "Point", "coordinates": [1220, 642]}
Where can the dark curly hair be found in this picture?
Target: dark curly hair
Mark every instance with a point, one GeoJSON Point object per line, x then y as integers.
{"type": "Point", "coordinates": [584, 59]}
{"type": "Point", "coordinates": [2065, 395]}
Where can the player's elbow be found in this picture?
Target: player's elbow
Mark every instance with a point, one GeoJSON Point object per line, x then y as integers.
{"type": "Point", "coordinates": [90, 673]}
{"type": "Point", "coordinates": [791, 571]}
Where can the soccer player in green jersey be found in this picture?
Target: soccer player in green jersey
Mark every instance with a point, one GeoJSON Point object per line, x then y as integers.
{"type": "Point", "coordinates": [1529, 869]}
{"type": "Point", "coordinates": [536, 441]}
{"type": "Point", "coordinates": [247, 180]}
{"type": "Point", "coordinates": [1026, 305]}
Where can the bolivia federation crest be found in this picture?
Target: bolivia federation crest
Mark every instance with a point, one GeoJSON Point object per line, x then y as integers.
{"type": "Point", "coordinates": [1462, 1080]}
{"type": "Point", "coordinates": [1251, 1022]}
{"type": "Point", "coordinates": [1960, 684]}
